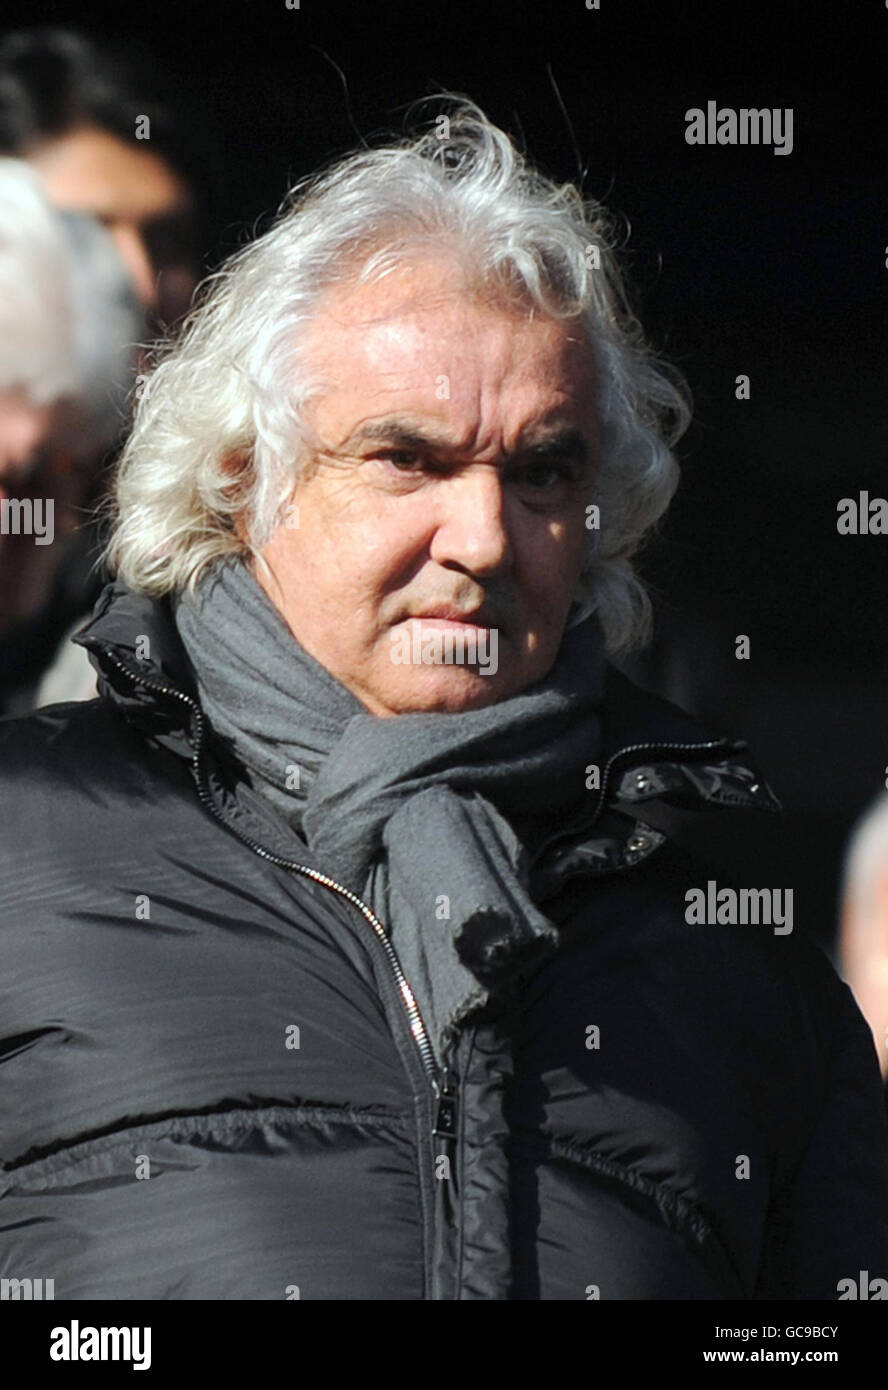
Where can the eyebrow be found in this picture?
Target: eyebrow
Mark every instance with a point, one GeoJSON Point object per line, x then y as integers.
{"type": "Point", "coordinates": [567, 441]}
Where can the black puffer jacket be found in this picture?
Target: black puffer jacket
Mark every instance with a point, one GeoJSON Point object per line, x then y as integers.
{"type": "Point", "coordinates": [214, 1084]}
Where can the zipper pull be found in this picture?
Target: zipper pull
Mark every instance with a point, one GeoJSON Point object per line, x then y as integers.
{"type": "Point", "coordinates": [447, 1108]}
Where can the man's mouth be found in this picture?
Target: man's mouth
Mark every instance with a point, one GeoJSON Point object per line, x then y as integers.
{"type": "Point", "coordinates": [448, 635]}
{"type": "Point", "coordinates": [446, 615]}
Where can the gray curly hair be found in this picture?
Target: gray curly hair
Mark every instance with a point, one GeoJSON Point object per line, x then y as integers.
{"type": "Point", "coordinates": [235, 383]}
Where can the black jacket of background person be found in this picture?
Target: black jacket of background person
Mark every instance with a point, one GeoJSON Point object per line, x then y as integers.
{"type": "Point", "coordinates": [163, 1135]}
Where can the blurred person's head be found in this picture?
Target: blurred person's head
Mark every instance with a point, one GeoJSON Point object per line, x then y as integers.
{"type": "Point", "coordinates": [105, 149]}
{"type": "Point", "coordinates": [68, 325]}
{"type": "Point", "coordinates": [39, 358]}
{"type": "Point", "coordinates": [864, 928]}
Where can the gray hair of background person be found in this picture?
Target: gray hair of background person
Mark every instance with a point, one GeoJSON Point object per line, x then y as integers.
{"type": "Point", "coordinates": [866, 859]}
{"type": "Point", "coordinates": [236, 384]}
{"type": "Point", "coordinates": [863, 940]}
{"type": "Point", "coordinates": [68, 317]}
{"type": "Point", "coordinates": [108, 326]}
{"type": "Point", "coordinates": [38, 310]}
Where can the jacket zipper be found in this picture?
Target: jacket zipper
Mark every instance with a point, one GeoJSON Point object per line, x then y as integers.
{"type": "Point", "coordinates": [446, 1109]}
{"type": "Point", "coordinates": [441, 1083]}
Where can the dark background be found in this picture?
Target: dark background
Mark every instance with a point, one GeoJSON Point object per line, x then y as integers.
{"type": "Point", "coordinates": [739, 261]}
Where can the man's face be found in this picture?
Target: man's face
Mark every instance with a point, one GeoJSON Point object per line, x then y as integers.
{"type": "Point", "coordinates": [448, 495]}
{"type": "Point", "coordinates": [143, 203]}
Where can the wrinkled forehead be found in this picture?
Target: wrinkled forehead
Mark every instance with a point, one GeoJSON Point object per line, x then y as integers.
{"type": "Point", "coordinates": [425, 330]}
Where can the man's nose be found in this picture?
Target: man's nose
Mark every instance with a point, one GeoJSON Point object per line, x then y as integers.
{"type": "Point", "coordinates": [134, 254]}
{"type": "Point", "coordinates": [473, 527]}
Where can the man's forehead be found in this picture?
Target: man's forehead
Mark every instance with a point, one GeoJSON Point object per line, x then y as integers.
{"type": "Point", "coordinates": [408, 305]}
{"type": "Point", "coordinates": [411, 361]}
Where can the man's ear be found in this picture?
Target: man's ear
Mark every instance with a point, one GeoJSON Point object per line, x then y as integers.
{"type": "Point", "coordinates": [239, 467]}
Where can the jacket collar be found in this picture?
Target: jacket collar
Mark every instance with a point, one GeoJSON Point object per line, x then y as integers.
{"type": "Point", "coordinates": [136, 628]}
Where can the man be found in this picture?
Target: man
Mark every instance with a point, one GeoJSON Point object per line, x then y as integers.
{"type": "Point", "coordinates": [104, 147]}
{"type": "Point", "coordinates": [110, 157]}
{"type": "Point", "coordinates": [342, 957]}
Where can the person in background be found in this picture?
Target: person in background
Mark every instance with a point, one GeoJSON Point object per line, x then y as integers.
{"type": "Point", "coordinates": [38, 365]}
{"type": "Point", "coordinates": [111, 158]}
{"type": "Point", "coordinates": [106, 148]}
{"type": "Point", "coordinates": [863, 940]}
{"type": "Point", "coordinates": [68, 322]}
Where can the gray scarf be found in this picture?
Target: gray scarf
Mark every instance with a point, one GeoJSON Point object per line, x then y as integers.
{"type": "Point", "coordinates": [429, 818]}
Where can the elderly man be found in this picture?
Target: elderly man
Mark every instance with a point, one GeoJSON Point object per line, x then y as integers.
{"type": "Point", "coordinates": [341, 958]}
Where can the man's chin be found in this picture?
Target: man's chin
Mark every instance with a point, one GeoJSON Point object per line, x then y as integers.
{"type": "Point", "coordinates": [445, 691]}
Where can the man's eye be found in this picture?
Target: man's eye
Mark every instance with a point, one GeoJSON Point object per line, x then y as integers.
{"type": "Point", "coordinates": [545, 476]}
{"type": "Point", "coordinates": [405, 460]}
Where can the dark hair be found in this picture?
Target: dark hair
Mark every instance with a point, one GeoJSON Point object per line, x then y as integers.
{"type": "Point", "coordinates": [53, 80]}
